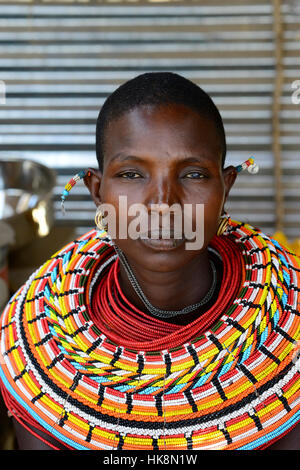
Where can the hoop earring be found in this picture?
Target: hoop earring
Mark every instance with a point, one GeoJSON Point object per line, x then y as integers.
{"type": "Point", "coordinates": [102, 228]}
{"type": "Point", "coordinates": [224, 223]}
{"type": "Point", "coordinates": [98, 220]}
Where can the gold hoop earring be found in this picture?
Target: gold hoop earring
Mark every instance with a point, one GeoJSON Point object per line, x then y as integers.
{"type": "Point", "coordinates": [102, 228]}
{"type": "Point", "coordinates": [98, 220]}
{"type": "Point", "coordinates": [223, 224]}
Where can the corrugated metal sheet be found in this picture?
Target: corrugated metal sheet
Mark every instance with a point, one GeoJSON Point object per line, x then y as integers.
{"type": "Point", "coordinates": [290, 117]}
{"type": "Point", "coordinates": [60, 62]}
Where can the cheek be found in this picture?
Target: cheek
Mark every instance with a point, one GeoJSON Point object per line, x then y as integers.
{"type": "Point", "coordinates": [112, 188]}
{"type": "Point", "coordinates": [121, 198]}
{"type": "Point", "coordinates": [212, 212]}
{"type": "Point", "coordinates": [212, 200]}
{"type": "Point", "coordinates": [211, 219]}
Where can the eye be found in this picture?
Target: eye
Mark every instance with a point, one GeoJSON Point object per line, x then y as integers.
{"type": "Point", "coordinates": [195, 175]}
{"type": "Point", "coordinates": [130, 175]}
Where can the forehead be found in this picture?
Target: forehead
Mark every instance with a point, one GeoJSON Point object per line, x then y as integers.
{"type": "Point", "coordinates": [164, 129]}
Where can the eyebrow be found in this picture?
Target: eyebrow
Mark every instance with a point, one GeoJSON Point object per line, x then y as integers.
{"type": "Point", "coordinates": [121, 158]}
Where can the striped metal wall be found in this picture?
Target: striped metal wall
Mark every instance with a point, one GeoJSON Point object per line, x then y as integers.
{"type": "Point", "coordinates": [60, 61]}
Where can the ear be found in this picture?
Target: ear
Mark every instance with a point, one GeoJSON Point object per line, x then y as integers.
{"type": "Point", "coordinates": [229, 176]}
{"type": "Point", "coordinates": [93, 182]}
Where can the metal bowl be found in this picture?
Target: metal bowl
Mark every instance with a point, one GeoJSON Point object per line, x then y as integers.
{"type": "Point", "coordinates": [26, 199]}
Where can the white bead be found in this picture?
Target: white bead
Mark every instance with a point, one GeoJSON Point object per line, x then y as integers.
{"type": "Point", "coordinates": [253, 168]}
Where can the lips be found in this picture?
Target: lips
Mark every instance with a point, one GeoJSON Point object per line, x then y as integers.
{"type": "Point", "coordinates": [162, 234]}
{"type": "Point", "coordinates": [162, 240]}
{"type": "Point", "coordinates": [161, 244]}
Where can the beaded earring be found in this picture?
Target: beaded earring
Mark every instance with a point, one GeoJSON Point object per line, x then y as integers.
{"type": "Point", "coordinates": [70, 185]}
{"type": "Point", "coordinates": [101, 229]}
{"type": "Point", "coordinates": [248, 164]}
{"type": "Point", "coordinates": [224, 221]}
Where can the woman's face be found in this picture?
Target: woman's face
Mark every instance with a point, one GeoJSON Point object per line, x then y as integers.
{"type": "Point", "coordinates": [163, 155]}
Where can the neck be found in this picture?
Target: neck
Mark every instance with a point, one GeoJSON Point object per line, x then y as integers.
{"type": "Point", "coordinates": [170, 290]}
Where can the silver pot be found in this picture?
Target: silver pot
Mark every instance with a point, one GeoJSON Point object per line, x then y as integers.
{"type": "Point", "coordinates": [26, 199]}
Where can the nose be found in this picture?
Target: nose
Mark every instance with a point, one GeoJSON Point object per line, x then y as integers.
{"type": "Point", "coordinates": [162, 194]}
{"type": "Point", "coordinates": [163, 202]}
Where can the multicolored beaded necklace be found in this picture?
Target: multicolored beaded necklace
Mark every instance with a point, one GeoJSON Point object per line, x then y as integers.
{"type": "Point", "coordinates": [228, 380]}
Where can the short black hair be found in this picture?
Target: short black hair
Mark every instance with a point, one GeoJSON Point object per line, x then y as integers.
{"type": "Point", "coordinates": [156, 88]}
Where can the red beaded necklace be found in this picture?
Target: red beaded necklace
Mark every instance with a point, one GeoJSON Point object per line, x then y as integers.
{"type": "Point", "coordinates": [124, 324]}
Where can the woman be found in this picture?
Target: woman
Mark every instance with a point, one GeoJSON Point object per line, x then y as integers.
{"type": "Point", "coordinates": [139, 343]}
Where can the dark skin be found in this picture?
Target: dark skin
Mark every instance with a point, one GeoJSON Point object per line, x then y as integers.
{"type": "Point", "coordinates": [180, 162]}
{"type": "Point", "coordinates": [177, 160]}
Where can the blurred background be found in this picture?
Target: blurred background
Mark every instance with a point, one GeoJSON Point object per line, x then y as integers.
{"type": "Point", "coordinates": [60, 60]}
